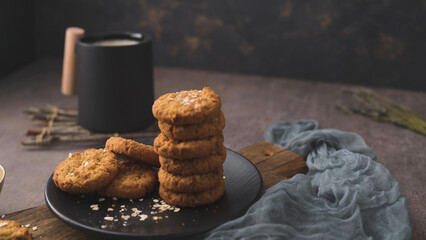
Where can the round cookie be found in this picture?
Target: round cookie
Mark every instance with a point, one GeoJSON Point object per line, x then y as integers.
{"type": "Point", "coordinates": [193, 199]}
{"type": "Point", "coordinates": [14, 231]}
{"type": "Point", "coordinates": [86, 172]}
{"type": "Point", "coordinates": [128, 148]}
{"type": "Point", "coordinates": [176, 149]}
{"type": "Point", "coordinates": [194, 166]}
{"type": "Point", "coordinates": [133, 180]}
{"type": "Point", "coordinates": [191, 183]}
{"type": "Point", "coordinates": [187, 107]}
{"type": "Point", "coordinates": [202, 130]}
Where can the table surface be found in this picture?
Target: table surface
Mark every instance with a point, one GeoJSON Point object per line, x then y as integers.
{"type": "Point", "coordinates": [250, 104]}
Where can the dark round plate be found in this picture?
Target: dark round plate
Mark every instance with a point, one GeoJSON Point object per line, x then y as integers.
{"type": "Point", "coordinates": [243, 187]}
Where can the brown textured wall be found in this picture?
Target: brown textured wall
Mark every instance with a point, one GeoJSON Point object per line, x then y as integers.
{"type": "Point", "coordinates": [17, 47]}
{"type": "Point", "coordinates": [378, 43]}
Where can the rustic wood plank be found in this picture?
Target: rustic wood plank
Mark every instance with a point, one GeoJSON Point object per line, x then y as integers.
{"type": "Point", "coordinates": [274, 163]}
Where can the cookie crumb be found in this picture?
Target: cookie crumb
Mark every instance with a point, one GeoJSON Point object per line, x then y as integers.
{"type": "Point", "coordinates": [35, 228]}
{"type": "Point", "coordinates": [114, 198]}
{"type": "Point", "coordinates": [125, 217]}
{"type": "Point", "coordinates": [103, 226]}
{"type": "Point", "coordinates": [176, 210]}
{"type": "Point", "coordinates": [137, 211]}
{"type": "Point", "coordinates": [108, 218]}
{"type": "Point", "coordinates": [110, 209]}
{"type": "Point", "coordinates": [94, 207]}
{"type": "Point", "coordinates": [143, 217]}
{"type": "Point", "coordinates": [101, 199]}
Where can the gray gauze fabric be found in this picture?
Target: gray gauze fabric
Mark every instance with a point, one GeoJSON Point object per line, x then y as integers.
{"type": "Point", "coordinates": [346, 194]}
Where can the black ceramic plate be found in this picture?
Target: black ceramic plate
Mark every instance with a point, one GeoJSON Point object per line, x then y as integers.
{"type": "Point", "coordinates": [243, 187]}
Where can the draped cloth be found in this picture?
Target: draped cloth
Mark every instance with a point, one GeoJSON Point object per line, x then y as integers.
{"type": "Point", "coordinates": [346, 194]}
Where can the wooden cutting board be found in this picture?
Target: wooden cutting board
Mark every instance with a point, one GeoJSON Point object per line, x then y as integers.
{"type": "Point", "coordinates": [274, 163]}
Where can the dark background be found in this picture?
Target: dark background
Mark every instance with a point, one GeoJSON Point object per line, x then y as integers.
{"type": "Point", "coordinates": [17, 35]}
{"type": "Point", "coordinates": [373, 43]}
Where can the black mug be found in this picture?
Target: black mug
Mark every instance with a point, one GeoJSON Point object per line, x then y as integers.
{"type": "Point", "coordinates": [115, 82]}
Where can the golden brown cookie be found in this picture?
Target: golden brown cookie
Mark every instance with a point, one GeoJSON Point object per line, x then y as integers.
{"type": "Point", "coordinates": [194, 166]}
{"type": "Point", "coordinates": [133, 180]}
{"type": "Point", "coordinates": [191, 183]}
{"type": "Point", "coordinates": [176, 149]}
{"type": "Point", "coordinates": [12, 230]}
{"type": "Point", "coordinates": [193, 199]}
{"type": "Point", "coordinates": [202, 130]}
{"type": "Point", "coordinates": [86, 172]}
{"type": "Point", "coordinates": [187, 107]}
{"type": "Point", "coordinates": [128, 148]}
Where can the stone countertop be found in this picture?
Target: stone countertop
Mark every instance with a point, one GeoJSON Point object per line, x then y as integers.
{"type": "Point", "coordinates": [250, 105]}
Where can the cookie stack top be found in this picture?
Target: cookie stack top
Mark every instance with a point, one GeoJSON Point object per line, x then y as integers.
{"type": "Point", "coordinates": [187, 107]}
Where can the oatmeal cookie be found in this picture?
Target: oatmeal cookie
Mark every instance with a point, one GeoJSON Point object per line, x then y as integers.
{"type": "Point", "coordinates": [12, 230]}
{"type": "Point", "coordinates": [176, 149]}
{"type": "Point", "coordinates": [133, 180]}
{"type": "Point", "coordinates": [194, 166]}
{"type": "Point", "coordinates": [193, 199]}
{"type": "Point", "coordinates": [187, 107]}
{"type": "Point", "coordinates": [191, 183]}
{"type": "Point", "coordinates": [186, 132]}
{"type": "Point", "coordinates": [86, 172]}
{"type": "Point", "coordinates": [128, 148]}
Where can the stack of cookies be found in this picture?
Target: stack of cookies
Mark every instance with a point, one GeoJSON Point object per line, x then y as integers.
{"type": "Point", "coordinates": [190, 147]}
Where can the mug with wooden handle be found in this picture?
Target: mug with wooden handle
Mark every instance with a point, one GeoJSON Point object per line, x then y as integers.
{"type": "Point", "coordinates": [112, 73]}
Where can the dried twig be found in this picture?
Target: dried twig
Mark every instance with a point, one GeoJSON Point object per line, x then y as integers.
{"type": "Point", "coordinates": [52, 109]}
{"type": "Point", "coordinates": [366, 103]}
{"type": "Point", "coordinates": [42, 123]}
{"type": "Point", "coordinates": [59, 130]}
{"type": "Point", "coordinates": [48, 116]}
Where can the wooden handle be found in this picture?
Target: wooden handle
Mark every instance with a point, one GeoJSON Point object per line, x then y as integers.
{"type": "Point", "coordinates": [69, 78]}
